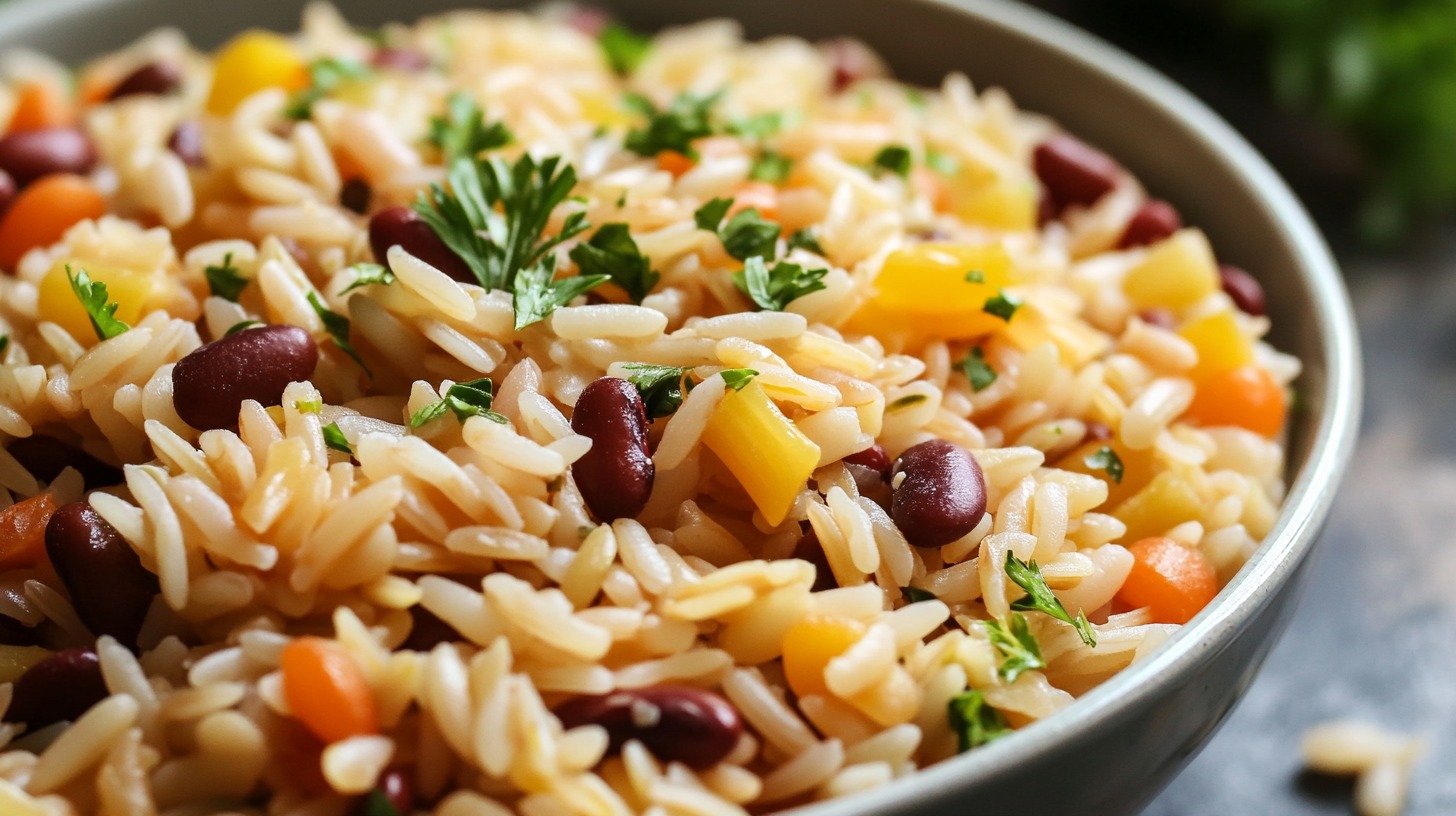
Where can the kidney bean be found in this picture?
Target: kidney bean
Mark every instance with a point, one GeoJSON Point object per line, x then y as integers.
{"type": "Point", "coordinates": [210, 384]}
{"type": "Point", "coordinates": [942, 495]}
{"type": "Point", "coordinates": [676, 723]}
{"type": "Point", "coordinates": [186, 142]}
{"type": "Point", "coordinates": [428, 630]}
{"type": "Point", "coordinates": [1243, 289]}
{"type": "Point", "coordinates": [851, 61]}
{"type": "Point", "coordinates": [45, 457]}
{"type": "Point", "coordinates": [109, 587]}
{"type": "Point", "coordinates": [1046, 208]}
{"type": "Point", "coordinates": [615, 476]}
{"type": "Point", "coordinates": [30, 154]}
{"type": "Point", "coordinates": [1153, 221]}
{"type": "Point", "coordinates": [7, 191]}
{"type": "Point", "coordinates": [152, 79]}
{"type": "Point", "coordinates": [395, 787]}
{"type": "Point", "coordinates": [355, 195]}
{"type": "Point", "coordinates": [809, 549]}
{"type": "Point", "coordinates": [874, 458]}
{"type": "Point", "coordinates": [402, 226]}
{"type": "Point", "coordinates": [60, 687]}
{"type": "Point", "coordinates": [1073, 171]}
{"type": "Point", "coordinates": [400, 59]}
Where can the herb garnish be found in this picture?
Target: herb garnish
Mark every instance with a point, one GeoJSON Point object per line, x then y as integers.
{"type": "Point", "coordinates": [226, 281]}
{"type": "Point", "coordinates": [241, 325]}
{"type": "Point", "coordinates": [1002, 305]}
{"type": "Point", "coordinates": [623, 47]}
{"type": "Point", "coordinates": [368, 274]}
{"type": "Point", "coordinates": [662, 387]}
{"type": "Point", "coordinates": [462, 131]}
{"type": "Point", "coordinates": [905, 402]}
{"type": "Point", "coordinates": [1018, 647]}
{"type": "Point", "coordinates": [612, 252]}
{"type": "Point", "coordinates": [1039, 597]}
{"type": "Point", "coordinates": [1106, 459]}
{"type": "Point", "coordinates": [758, 127]}
{"type": "Point", "coordinates": [774, 289]}
{"type": "Point", "coordinates": [335, 439]}
{"type": "Point", "coordinates": [744, 235]}
{"type": "Point", "coordinates": [536, 295]}
{"type": "Point", "coordinates": [974, 722]}
{"type": "Point", "coordinates": [771, 166]}
{"type": "Point", "coordinates": [977, 371]}
{"type": "Point", "coordinates": [378, 804]}
{"type": "Point", "coordinates": [99, 308]}
{"type": "Point", "coordinates": [465, 400]}
{"type": "Point", "coordinates": [312, 406]}
{"type": "Point", "coordinates": [325, 75]}
{"type": "Point", "coordinates": [338, 328]}
{"type": "Point", "coordinates": [894, 158]}
{"type": "Point", "coordinates": [806, 238]}
{"type": "Point", "coordinates": [975, 276]}
{"type": "Point", "coordinates": [675, 127]}
{"type": "Point", "coordinates": [916, 594]}
{"type": "Point", "coordinates": [736, 378]}
{"type": "Point", "coordinates": [4, 345]}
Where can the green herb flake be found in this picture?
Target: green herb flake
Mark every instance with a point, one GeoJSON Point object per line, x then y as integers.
{"type": "Point", "coordinates": [378, 804]}
{"type": "Point", "coordinates": [710, 215]}
{"type": "Point", "coordinates": [1017, 646]}
{"type": "Point", "coordinates": [737, 378]}
{"type": "Point", "coordinates": [1105, 458]}
{"type": "Point", "coordinates": [612, 252]}
{"type": "Point", "coordinates": [916, 594]}
{"type": "Point", "coordinates": [905, 402]}
{"type": "Point", "coordinates": [335, 439]}
{"type": "Point", "coordinates": [1039, 597]}
{"type": "Point", "coordinates": [241, 325]}
{"type": "Point", "coordinates": [536, 295]}
{"type": "Point", "coordinates": [806, 238]}
{"type": "Point", "coordinates": [462, 131]}
{"type": "Point", "coordinates": [975, 276]}
{"type": "Point", "coordinates": [465, 400]}
{"type": "Point", "coordinates": [662, 387]}
{"type": "Point", "coordinates": [96, 302]}
{"type": "Point", "coordinates": [312, 406]}
{"type": "Point", "coordinates": [226, 281]}
{"type": "Point", "coordinates": [772, 167]}
{"type": "Point", "coordinates": [368, 274]}
{"type": "Point", "coordinates": [1002, 305]}
{"type": "Point", "coordinates": [978, 371]}
{"type": "Point", "coordinates": [895, 159]}
{"type": "Point", "coordinates": [689, 117]}
{"type": "Point", "coordinates": [746, 235]}
{"type": "Point", "coordinates": [624, 48]}
{"type": "Point", "coordinates": [338, 328]}
{"type": "Point", "coordinates": [757, 127]}
{"type": "Point", "coordinates": [4, 345]}
{"type": "Point", "coordinates": [325, 75]}
{"type": "Point", "coordinates": [774, 289]}
{"type": "Point", "coordinates": [916, 97]}
{"type": "Point", "coordinates": [942, 163]}
{"type": "Point", "coordinates": [974, 722]}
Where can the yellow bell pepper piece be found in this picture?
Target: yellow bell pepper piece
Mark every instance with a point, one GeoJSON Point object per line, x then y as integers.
{"type": "Point", "coordinates": [923, 292]}
{"type": "Point", "coordinates": [1178, 272]}
{"type": "Point", "coordinates": [762, 448]}
{"type": "Point", "coordinates": [1167, 501]}
{"type": "Point", "coordinates": [810, 644]}
{"type": "Point", "coordinates": [1007, 203]}
{"type": "Point", "coordinates": [250, 62]}
{"type": "Point", "coordinates": [15, 660]}
{"type": "Point", "coordinates": [128, 289]}
{"type": "Point", "coordinates": [1221, 345]}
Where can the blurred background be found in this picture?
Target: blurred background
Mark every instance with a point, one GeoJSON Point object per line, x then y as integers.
{"type": "Point", "coordinates": [1354, 101]}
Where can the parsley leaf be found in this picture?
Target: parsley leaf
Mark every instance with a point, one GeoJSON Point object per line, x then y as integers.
{"type": "Point", "coordinates": [369, 274]}
{"type": "Point", "coordinates": [980, 374]}
{"type": "Point", "coordinates": [737, 378]}
{"type": "Point", "coordinates": [744, 235]}
{"type": "Point", "coordinates": [662, 387]}
{"type": "Point", "coordinates": [894, 158]}
{"type": "Point", "coordinates": [975, 276]}
{"type": "Point", "coordinates": [1039, 597]}
{"type": "Point", "coordinates": [241, 325]}
{"type": "Point", "coordinates": [338, 328]}
{"type": "Point", "coordinates": [675, 127]}
{"type": "Point", "coordinates": [535, 295]}
{"type": "Point", "coordinates": [226, 281]}
{"type": "Point", "coordinates": [312, 406]}
{"type": "Point", "coordinates": [1106, 459]}
{"type": "Point", "coordinates": [905, 402]}
{"type": "Point", "coordinates": [974, 722]}
{"type": "Point", "coordinates": [612, 252]}
{"type": "Point", "coordinates": [429, 413]}
{"type": "Point", "coordinates": [325, 75]}
{"type": "Point", "coordinates": [1018, 647]}
{"type": "Point", "coordinates": [623, 47]}
{"type": "Point", "coordinates": [96, 302]}
{"type": "Point", "coordinates": [1002, 305]}
{"type": "Point", "coordinates": [465, 400]}
{"type": "Point", "coordinates": [710, 215]}
{"type": "Point", "coordinates": [774, 289]}
{"type": "Point", "coordinates": [335, 439]}
{"type": "Point", "coordinates": [806, 238]}
{"type": "Point", "coordinates": [771, 166]}
{"type": "Point", "coordinates": [378, 804]}
{"type": "Point", "coordinates": [916, 594]}
{"type": "Point", "coordinates": [462, 131]}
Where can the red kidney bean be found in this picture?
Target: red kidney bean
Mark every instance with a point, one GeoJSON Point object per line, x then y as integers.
{"type": "Point", "coordinates": [152, 79]}
{"type": "Point", "coordinates": [1046, 208]}
{"type": "Point", "coordinates": [7, 191]}
{"type": "Point", "coordinates": [395, 787]}
{"type": "Point", "coordinates": [108, 585]}
{"type": "Point", "coordinates": [615, 476]}
{"type": "Point", "coordinates": [186, 142]}
{"type": "Point", "coordinates": [676, 723]}
{"type": "Point", "coordinates": [1243, 289]}
{"type": "Point", "coordinates": [60, 687]}
{"type": "Point", "coordinates": [210, 384]}
{"type": "Point", "coordinates": [1073, 171]}
{"type": "Point", "coordinates": [942, 495]}
{"type": "Point", "coordinates": [1153, 221]}
{"type": "Point", "coordinates": [851, 61]}
{"type": "Point", "coordinates": [809, 549]}
{"type": "Point", "coordinates": [45, 457]}
{"type": "Point", "coordinates": [400, 59]}
{"type": "Point", "coordinates": [355, 195]}
{"type": "Point", "coordinates": [874, 458]}
{"type": "Point", "coordinates": [402, 226]}
{"type": "Point", "coordinates": [428, 630]}
{"type": "Point", "coordinates": [30, 154]}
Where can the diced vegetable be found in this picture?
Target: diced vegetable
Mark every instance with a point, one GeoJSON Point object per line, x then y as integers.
{"type": "Point", "coordinates": [22, 532]}
{"type": "Point", "coordinates": [327, 691]}
{"type": "Point", "coordinates": [810, 644]}
{"type": "Point", "coordinates": [128, 289]}
{"type": "Point", "coordinates": [758, 195]}
{"type": "Point", "coordinates": [41, 105]}
{"type": "Point", "coordinates": [1167, 501]}
{"type": "Point", "coordinates": [15, 660]}
{"type": "Point", "coordinates": [43, 212]}
{"type": "Point", "coordinates": [1172, 580]}
{"type": "Point", "coordinates": [250, 62]}
{"type": "Point", "coordinates": [674, 162]}
{"type": "Point", "coordinates": [762, 448]}
{"type": "Point", "coordinates": [1247, 396]}
{"type": "Point", "coordinates": [1221, 345]}
{"type": "Point", "coordinates": [1177, 273]}
{"type": "Point", "coordinates": [926, 290]}
{"type": "Point", "coordinates": [1007, 202]}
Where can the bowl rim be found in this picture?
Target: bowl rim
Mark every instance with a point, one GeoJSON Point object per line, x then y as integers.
{"type": "Point", "coordinates": [1309, 497]}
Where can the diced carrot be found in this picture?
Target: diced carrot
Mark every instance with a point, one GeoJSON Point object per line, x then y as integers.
{"type": "Point", "coordinates": [674, 162]}
{"type": "Point", "coordinates": [22, 531]}
{"type": "Point", "coordinates": [1247, 396]}
{"type": "Point", "coordinates": [1171, 579]}
{"type": "Point", "coordinates": [760, 195]}
{"type": "Point", "coordinates": [327, 690]}
{"type": "Point", "coordinates": [810, 644]}
{"type": "Point", "coordinates": [43, 212]}
{"type": "Point", "coordinates": [927, 184]}
{"type": "Point", "coordinates": [41, 105]}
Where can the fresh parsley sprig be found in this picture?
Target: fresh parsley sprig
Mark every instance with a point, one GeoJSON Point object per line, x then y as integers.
{"type": "Point", "coordinates": [1018, 647]}
{"type": "Point", "coordinates": [774, 289]}
{"type": "Point", "coordinates": [241, 325]}
{"type": "Point", "coordinates": [662, 387]}
{"type": "Point", "coordinates": [94, 299]}
{"type": "Point", "coordinates": [612, 252]}
{"type": "Point", "coordinates": [687, 118]}
{"type": "Point", "coordinates": [335, 439]}
{"type": "Point", "coordinates": [338, 328]}
{"type": "Point", "coordinates": [535, 294]}
{"type": "Point", "coordinates": [325, 75]}
{"type": "Point", "coordinates": [808, 239]}
{"type": "Point", "coordinates": [226, 281]}
{"type": "Point", "coordinates": [368, 274]}
{"type": "Point", "coordinates": [744, 235]}
{"type": "Point", "coordinates": [624, 48]}
{"type": "Point", "coordinates": [737, 378]}
{"type": "Point", "coordinates": [462, 130]}
{"type": "Point", "coordinates": [977, 370]}
{"type": "Point", "coordinates": [895, 159]}
{"type": "Point", "coordinates": [1003, 305]}
{"type": "Point", "coordinates": [465, 400]}
{"type": "Point", "coordinates": [1039, 597]}
{"type": "Point", "coordinates": [771, 166]}
{"type": "Point", "coordinates": [1105, 458]}
{"type": "Point", "coordinates": [974, 722]}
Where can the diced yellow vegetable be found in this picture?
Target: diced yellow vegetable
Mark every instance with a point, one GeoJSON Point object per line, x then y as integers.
{"type": "Point", "coordinates": [1178, 272]}
{"type": "Point", "coordinates": [810, 644]}
{"type": "Point", "coordinates": [1167, 501]}
{"type": "Point", "coordinates": [768, 455]}
{"type": "Point", "coordinates": [923, 292]}
{"type": "Point", "coordinates": [128, 289]}
{"type": "Point", "coordinates": [1008, 202]}
{"type": "Point", "coordinates": [604, 108]}
{"type": "Point", "coordinates": [1221, 346]}
{"type": "Point", "coordinates": [1077, 342]}
{"type": "Point", "coordinates": [14, 660]}
{"type": "Point", "coordinates": [250, 62]}
{"type": "Point", "coordinates": [1138, 467]}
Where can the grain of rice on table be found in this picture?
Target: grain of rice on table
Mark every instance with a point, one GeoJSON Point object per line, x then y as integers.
{"type": "Point", "coordinates": [505, 414]}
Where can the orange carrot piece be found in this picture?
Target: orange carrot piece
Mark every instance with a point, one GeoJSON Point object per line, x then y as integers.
{"type": "Point", "coordinates": [674, 162]}
{"type": "Point", "coordinates": [41, 105]}
{"type": "Point", "coordinates": [1171, 579]}
{"type": "Point", "coordinates": [760, 195]}
{"type": "Point", "coordinates": [327, 690]}
{"type": "Point", "coordinates": [22, 531]}
{"type": "Point", "coordinates": [43, 212]}
{"type": "Point", "coordinates": [1246, 396]}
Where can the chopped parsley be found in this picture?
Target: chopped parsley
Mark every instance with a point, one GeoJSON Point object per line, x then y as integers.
{"type": "Point", "coordinates": [612, 252]}
{"type": "Point", "coordinates": [338, 328]}
{"type": "Point", "coordinates": [688, 118]}
{"type": "Point", "coordinates": [975, 276]}
{"type": "Point", "coordinates": [905, 402]}
{"type": "Point", "coordinates": [377, 804]}
{"type": "Point", "coordinates": [335, 439]}
{"type": "Point", "coordinates": [226, 281]}
{"type": "Point", "coordinates": [96, 302]}
{"type": "Point", "coordinates": [710, 215]}
{"type": "Point", "coordinates": [737, 378]}
{"type": "Point", "coordinates": [312, 406]}
{"type": "Point", "coordinates": [465, 400]}
{"type": "Point", "coordinates": [1002, 305]}
{"type": "Point", "coordinates": [536, 295]}
{"type": "Point", "coordinates": [1106, 459]}
{"type": "Point", "coordinates": [916, 594]}
{"type": "Point", "coordinates": [744, 235]}
{"type": "Point", "coordinates": [462, 131]}
{"type": "Point", "coordinates": [774, 289]}
{"type": "Point", "coordinates": [977, 371]}
{"type": "Point", "coordinates": [241, 325]}
{"type": "Point", "coordinates": [662, 387]}
{"type": "Point", "coordinates": [894, 158]}
{"type": "Point", "coordinates": [369, 274]}
{"type": "Point", "coordinates": [1039, 597]}
{"type": "Point", "coordinates": [759, 126]}
{"type": "Point", "coordinates": [771, 166]}
{"type": "Point", "coordinates": [623, 47]}
{"type": "Point", "coordinates": [1017, 645]}
{"type": "Point", "coordinates": [974, 722]}
{"type": "Point", "coordinates": [325, 75]}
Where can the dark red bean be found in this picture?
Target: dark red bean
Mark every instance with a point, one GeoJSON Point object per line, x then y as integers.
{"type": "Point", "coordinates": [400, 59]}
{"type": "Point", "coordinates": [428, 630]}
{"type": "Point", "coordinates": [60, 687]}
{"type": "Point", "coordinates": [186, 142]}
{"type": "Point", "coordinates": [942, 495]}
{"type": "Point", "coordinates": [615, 476]}
{"type": "Point", "coordinates": [395, 788]}
{"type": "Point", "coordinates": [402, 226]}
{"type": "Point", "coordinates": [676, 723]}
{"type": "Point", "coordinates": [1097, 432]}
{"type": "Point", "coordinates": [210, 384]}
{"type": "Point", "coordinates": [1073, 171]}
{"type": "Point", "coordinates": [152, 79]}
{"type": "Point", "coordinates": [1243, 289]}
{"type": "Point", "coordinates": [30, 154]}
{"type": "Point", "coordinates": [355, 195]}
{"type": "Point", "coordinates": [108, 585]}
{"type": "Point", "coordinates": [809, 549]}
{"type": "Point", "coordinates": [874, 458]}
{"type": "Point", "coordinates": [7, 191]}
{"type": "Point", "coordinates": [1162, 318]}
{"type": "Point", "coordinates": [851, 61]}
{"type": "Point", "coordinates": [1153, 221]}
{"type": "Point", "coordinates": [45, 457]}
